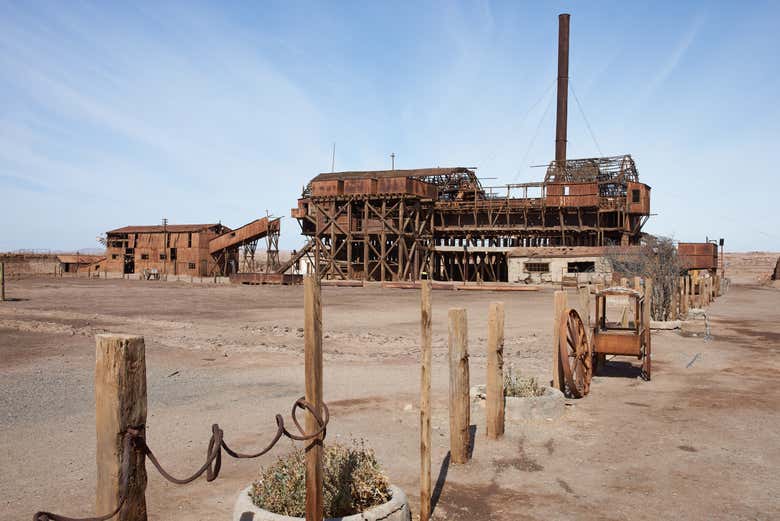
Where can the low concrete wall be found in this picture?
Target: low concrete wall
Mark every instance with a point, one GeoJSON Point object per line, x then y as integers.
{"type": "Point", "coordinates": [397, 509]}
{"type": "Point", "coordinates": [558, 269]}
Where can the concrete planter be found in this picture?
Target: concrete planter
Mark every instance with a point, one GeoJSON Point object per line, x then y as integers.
{"type": "Point", "coordinates": [550, 406]}
{"type": "Point", "coordinates": [397, 509]}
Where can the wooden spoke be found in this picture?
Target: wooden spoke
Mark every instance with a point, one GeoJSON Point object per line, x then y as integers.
{"type": "Point", "coordinates": [576, 355]}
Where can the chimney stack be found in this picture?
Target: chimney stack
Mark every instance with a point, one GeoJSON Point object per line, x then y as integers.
{"type": "Point", "coordinates": [563, 89]}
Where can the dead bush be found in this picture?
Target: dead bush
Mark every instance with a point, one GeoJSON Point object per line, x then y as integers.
{"type": "Point", "coordinates": [658, 260]}
{"type": "Point", "coordinates": [352, 482]}
{"type": "Point", "coordinates": [521, 386]}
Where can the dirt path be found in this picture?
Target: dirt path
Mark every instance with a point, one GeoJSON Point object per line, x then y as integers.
{"type": "Point", "coordinates": [697, 442]}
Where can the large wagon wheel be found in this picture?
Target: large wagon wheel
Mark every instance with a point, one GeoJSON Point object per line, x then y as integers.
{"type": "Point", "coordinates": [576, 355]}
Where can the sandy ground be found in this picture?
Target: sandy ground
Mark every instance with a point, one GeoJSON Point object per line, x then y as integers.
{"type": "Point", "coordinates": [699, 442]}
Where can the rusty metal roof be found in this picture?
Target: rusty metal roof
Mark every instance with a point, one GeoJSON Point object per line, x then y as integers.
{"type": "Point", "coordinates": [171, 228]}
{"type": "Point", "coordinates": [417, 172]}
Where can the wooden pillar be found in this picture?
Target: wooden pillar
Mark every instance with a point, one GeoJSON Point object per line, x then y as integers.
{"type": "Point", "coordinates": [647, 318]}
{"type": "Point", "coordinates": [495, 372]}
{"type": "Point", "coordinates": [460, 412]}
{"type": "Point", "coordinates": [2, 281]}
{"type": "Point", "coordinates": [425, 400]}
{"type": "Point", "coordinates": [312, 337]}
{"type": "Point", "coordinates": [584, 298]}
{"type": "Point", "coordinates": [120, 404]}
{"type": "Point", "coordinates": [559, 306]}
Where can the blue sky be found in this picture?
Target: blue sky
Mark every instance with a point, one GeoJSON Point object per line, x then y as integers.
{"type": "Point", "coordinates": [116, 114]}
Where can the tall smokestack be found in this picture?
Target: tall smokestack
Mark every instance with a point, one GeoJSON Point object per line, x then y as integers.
{"type": "Point", "coordinates": [563, 89]}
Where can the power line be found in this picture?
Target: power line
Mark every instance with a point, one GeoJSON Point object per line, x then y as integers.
{"type": "Point", "coordinates": [536, 134]}
{"type": "Point", "coordinates": [525, 115]}
{"type": "Point", "coordinates": [587, 123]}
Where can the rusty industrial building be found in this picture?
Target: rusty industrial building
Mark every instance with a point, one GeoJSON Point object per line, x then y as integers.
{"type": "Point", "coordinates": [189, 249]}
{"type": "Point", "coordinates": [443, 223]}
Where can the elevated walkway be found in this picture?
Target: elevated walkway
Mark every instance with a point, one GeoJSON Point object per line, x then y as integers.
{"type": "Point", "coordinates": [250, 232]}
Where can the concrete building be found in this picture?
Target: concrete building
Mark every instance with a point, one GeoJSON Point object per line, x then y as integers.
{"type": "Point", "coordinates": [561, 265]}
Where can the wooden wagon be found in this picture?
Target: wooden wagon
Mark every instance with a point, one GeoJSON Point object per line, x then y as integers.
{"type": "Point", "coordinates": [582, 355]}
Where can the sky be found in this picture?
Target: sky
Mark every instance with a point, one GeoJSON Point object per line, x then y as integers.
{"type": "Point", "coordinates": [127, 113]}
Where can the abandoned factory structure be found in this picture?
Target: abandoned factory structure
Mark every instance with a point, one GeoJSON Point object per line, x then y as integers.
{"type": "Point", "coordinates": [397, 224]}
{"type": "Point", "coordinates": [443, 223]}
{"type": "Point", "coordinates": [189, 249]}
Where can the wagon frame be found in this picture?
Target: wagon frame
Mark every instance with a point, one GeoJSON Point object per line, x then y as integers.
{"type": "Point", "coordinates": [581, 353]}
{"type": "Point", "coordinates": [611, 338]}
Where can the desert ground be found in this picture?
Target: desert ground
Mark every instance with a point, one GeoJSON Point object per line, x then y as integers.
{"type": "Point", "coordinates": [700, 441]}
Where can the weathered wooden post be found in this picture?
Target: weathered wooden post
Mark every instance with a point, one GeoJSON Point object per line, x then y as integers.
{"type": "Point", "coordinates": [2, 281]}
{"type": "Point", "coordinates": [425, 401]}
{"type": "Point", "coordinates": [312, 337]}
{"type": "Point", "coordinates": [646, 319]}
{"type": "Point", "coordinates": [584, 296]}
{"type": "Point", "coordinates": [460, 410]}
{"type": "Point", "coordinates": [494, 407]}
{"type": "Point", "coordinates": [688, 293]}
{"type": "Point", "coordinates": [120, 404]}
{"type": "Point", "coordinates": [559, 305]}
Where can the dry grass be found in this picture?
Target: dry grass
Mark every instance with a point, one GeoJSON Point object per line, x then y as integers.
{"type": "Point", "coordinates": [353, 482]}
{"type": "Point", "coordinates": [520, 386]}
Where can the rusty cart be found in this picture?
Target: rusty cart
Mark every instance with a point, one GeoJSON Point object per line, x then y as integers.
{"type": "Point", "coordinates": [582, 355]}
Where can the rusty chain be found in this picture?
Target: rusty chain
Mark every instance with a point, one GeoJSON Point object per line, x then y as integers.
{"type": "Point", "coordinates": [134, 439]}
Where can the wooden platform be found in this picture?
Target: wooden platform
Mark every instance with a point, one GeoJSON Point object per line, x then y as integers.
{"type": "Point", "coordinates": [265, 278]}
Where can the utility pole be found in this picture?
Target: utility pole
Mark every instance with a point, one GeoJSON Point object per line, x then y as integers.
{"type": "Point", "coordinates": [392, 161]}
{"type": "Point", "coordinates": [165, 245]}
{"type": "Point", "coordinates": [333, 158]}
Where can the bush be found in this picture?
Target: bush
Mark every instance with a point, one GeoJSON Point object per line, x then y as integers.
{"type": "Point", "coordinates": [353, 482]}
{"type": "Point", "coordinates": [521, 387]}
{"type": "Point", "coordinates": [658, 260]}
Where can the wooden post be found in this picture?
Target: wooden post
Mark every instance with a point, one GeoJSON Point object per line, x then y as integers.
{"type": "Point", "coordinates": [120, 404]}
{"type": "Point", "coordinates": [559, 305]}
{"type": "Point", "coordinates": [425, 401]}
{"type": "Point", "coordinates": [584, 296]}
{"type": "Point", "coordinates": [460, 410]}
{"type": "Point", "coordinates": [688, 303]}
{"type": "Point", "coordinates": [312, 338]}
{"type": "Point", "coordinates": [2, 281]}
{"type": "Point", "coordinates": [647, 318]}
{"type": "Point", "coordinates": [638, 284]}
{"type": "Point", "coordinates": [494, 408]}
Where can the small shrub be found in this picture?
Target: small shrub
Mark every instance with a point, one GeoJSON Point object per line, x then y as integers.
{"type": "Point", "coordinates": [353, 482]}
{"type": "Point", "coordinates": [520, 386]}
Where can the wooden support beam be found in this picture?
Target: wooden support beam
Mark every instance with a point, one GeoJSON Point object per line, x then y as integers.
{"type": "Point", "coordinates": [120, 404]}
{"type": "Point", "coordinates": [559, 305]}
{"type": "Point", "coordinates": [425, 400]}
{"type": "Point", "coordinates": [495, 371]}
{"type": "Point", "coordinates": [312, 338]}
{"type": "Point", "coordinates": [584, 300]}
{"type": "Point", "coordinates": [646, 319]}
{"type": "Point", "coordinates": [460, 411]}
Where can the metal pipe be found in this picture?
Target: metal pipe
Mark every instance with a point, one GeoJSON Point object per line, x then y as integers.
{"type": "Point", "coordinates": [563, 89]}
